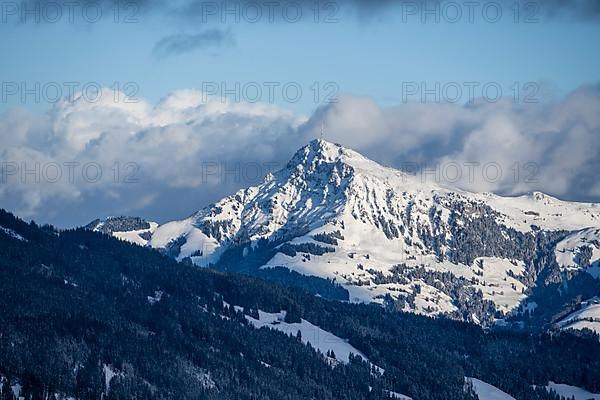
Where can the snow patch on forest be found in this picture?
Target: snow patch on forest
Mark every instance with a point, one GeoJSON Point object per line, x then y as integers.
{"type": "Point", "coordinates": [395, 395]}
{"type": "Point", "coordinates": [568, 252]}
{"type": "Point", "coordinates": [586, 317]}
{"type": "Point", "coordinates": [485, 391]}
{"type": "Point", "coordinates": [497, 278]}
{"type": "Point", "coordinates": [135, 236]}
{"type": "Point", "coordinates": [109, 374]}
{"type": "Point", "coordinates": [12, 234]}
{"type": "Point", "coordinates": [318, 338]}
{"type": "Point", "coordinates": [568, 391]}
{"type": "Point", "coordinates": [156, 298]}
{"type": "Point", "coordinates": [498, 281]}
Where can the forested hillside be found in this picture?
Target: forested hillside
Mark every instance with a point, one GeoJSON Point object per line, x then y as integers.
{"type": "Point", "coordinates": [89, 316]}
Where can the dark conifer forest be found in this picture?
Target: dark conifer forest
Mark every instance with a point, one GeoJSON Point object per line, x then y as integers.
{"type": "Point", "coordinates": [77, 305]}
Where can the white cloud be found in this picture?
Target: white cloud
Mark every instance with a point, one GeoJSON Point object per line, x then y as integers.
{"type": "Point", "coordinates": [176, 144]}
{"type": "Point", "coordinates": [163, 147]}
{"type": "Point", "coordinates": [557, 145]}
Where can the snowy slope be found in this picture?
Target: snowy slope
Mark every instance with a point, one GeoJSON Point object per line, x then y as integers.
{"type": "Point", "coordinates": [378, 231]}
{"type": "Point", "coordinates": [136, 236]}
{"type": "Point", "coordinates": [131, 229]}
{"type": "Point", "coordinates": [396, 395]}
{"type": "Point", "coordinates": [587, 317]}
{"type": "Point", "coordinates": [568, 392]}
{"type": "Point", "coordinates": [485, 391]}
{"type": "Point", "coordinates": [12, 233]}
{"type": "Point", "coordinates": [544, 211]}
{"type": "Point", "coordinates": [569, 251]}
{"type": "Point", "coordinates": [497, 280]}
{"type": "Point", "coordinates": [318, 338]}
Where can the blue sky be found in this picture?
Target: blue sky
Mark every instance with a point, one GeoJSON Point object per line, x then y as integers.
{"type": "Point", "coordinates": [363, 55]}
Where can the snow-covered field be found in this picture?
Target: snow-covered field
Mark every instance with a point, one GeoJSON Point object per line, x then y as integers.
{"type": "Point", "coordinates": [318, 338]}
{"type": "Point", "coordinates": [587, 317]}
{"type": "Point", "coordinates": [568, 392]}
{"type": "Point", "coordinates": [398, 396]}
{"type": "Point", "coordinates": [567, 251]}
{"type": "Point", "coordinates": [545, 211]}
{"type": "Point", "coordinates": [134, 236]}
{"type": "Point", "coordinates": [496, 278]}
{"type": "Point", "coordinates": [485, 391]}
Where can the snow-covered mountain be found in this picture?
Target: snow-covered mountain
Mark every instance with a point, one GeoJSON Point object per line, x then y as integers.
{"type": "Point", "coordinates": [132, 229]}
{"type": "Point", "coordinates": [388, 237]}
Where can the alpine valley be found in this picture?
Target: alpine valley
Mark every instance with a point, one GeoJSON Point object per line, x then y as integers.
{"type": "Point", "coordinates": [344, 227]}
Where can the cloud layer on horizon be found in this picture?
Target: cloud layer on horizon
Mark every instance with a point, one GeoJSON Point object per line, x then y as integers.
{"type": "Point", "coordinates": [188, 150]}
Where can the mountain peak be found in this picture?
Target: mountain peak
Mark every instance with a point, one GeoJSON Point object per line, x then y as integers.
{"type": "Point", "coordinates": [319, 151]}
{"type": "Point", "coordinates": [322, 142]}
{"type": "Point", "coordinates": [316, 152]}
{"type": "Point", "coordinates": [334, 214]}
{"type": "Point", "coordinates": [325, 150]}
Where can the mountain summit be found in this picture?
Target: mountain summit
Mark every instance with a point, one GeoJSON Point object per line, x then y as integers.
{"type": "Point", "coordinates": [385, 236]}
